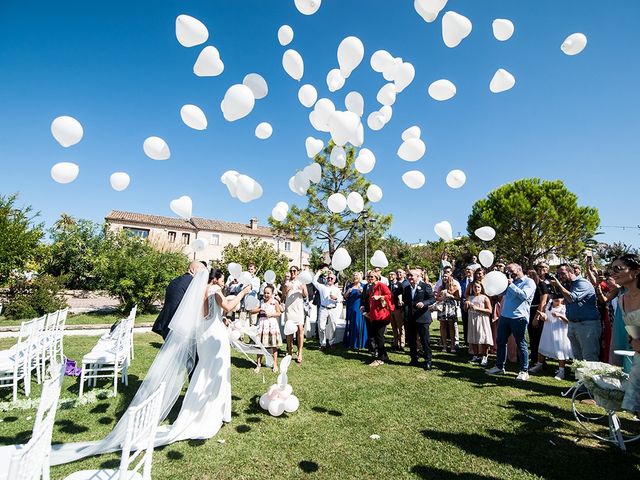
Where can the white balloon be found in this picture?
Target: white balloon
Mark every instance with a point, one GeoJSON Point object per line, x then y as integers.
{"type": "Point", "coordinates": [305, 276]}
{"type": "Point", "coordinates": [199, 244]}
{"type": "Point", "coordinates": [245, 279]}
{"type": "Point", "coordinates": [502, 81]}
{"type": "Point", "coordinates": [119, 181]}
{"type": "Point", "coordinates": [182, 207]}
{"type": "Point", "coordinates": [341, 259]}
{"type": "Point", "coordinates": [278, 214]}
{"type": "Point", "coordinates": [257, 84]}
{"type": "Point", "coordinates": [313, 146]}
{"type": "Point", "coordinates": [365, 161]}
{"type": "Point", "coordinates": [485, 233]}
{"type": "Point", "coordinates": [358, 138]}
{"type": "Point", "coordinates": [429, 9]}
{"type": "Point", "coordinates": [374, 193]}
{"type": "Point", "coordinates": [65, 172]}
{"type": "Point", "coordinates": [387, 94]}
{"type": "Point", "coordinates": [294, 188]}
{"type": "Point", "coordinates": [190, 31]}
{"type": "Point", "coordinates": [285, 35]}
{"type": "Point", "coordinates": [235, 269]}
{"type": "Point", "coordinates": [307, 95]}
{"type": "Point", "coordinates": [379, 259]}
{"type": "Point", "coordinates": [350, 54]}
{"type": "Point", "coordinates": [293, 64]}
{"type": "Point", "coordinates": [455, 28]}
{"type": "Point", "coordinates": [193, 117]}
{"type": "Point", "coordinates": [343, 126]}
{"type": "Point", "coordinates": [308, 7]}
{"type": "Point", "coordinates": [411, 132]}
{"type": "Point", "coordinates": [264, 130]}
{"type": "Point", "coordinates": [442, 90]}
{"type": "Point", "coordinates": [284, 391]}
{"type": "Point", "coordinates": [248, 189]}
{"type": "Point", "coordinates": [338, 157]}
{"type": "Point", "coordinates": [381, 60]}
{"type": "Point", "coordinates": [456, 178]}
{"type": "Point", "coordinates": [156, 148]}
{"type": "Point", "coordinates": [412, 150]}
{"type": "Point", "coordinates": [403, 75]}
{"type": "Point", "coordinates": [66, 130]}
{"type": "Point", "coordinates": [238, 102]}
{"type": "Point", "coordinates": [444, 231]}
{"type": "Point", "coordinates": [375, 121]}
{"type": "Point", "coordinates": [319, 117]}
{"type": "Point", "coordinates": [337, 203]}
{"type": "Point", "coordinates": [335, 80]}
{"type": "Point", "coordinates": [390, 69]}
{"type": "Point", "coordinates": [276, 407]}
{"type": "Point", "coordinates": [502, 29]}
{"type": "Point", "coordinates": [387, 112]}
{"type": "Point", "coordinates": [486, 258]}
{"type": "Point", "coordinates": [574, 44]}
{"type": "Point", "coordinates": [413, 179]}
{"type": "Point", "coordinates": [314, 172]}
{"type": "Point", "coordinates": [354, 102]}
{"type": "Point", "coordinates": [291, 404]}
{"type": "Point", "coordinates": [264, 402]}
{"type": "Point", "coordinates": [282, 378]}
{"type": "Point", "coordinates": [495, 283]}
{"type": "Point", "coordinates": [283, 205]}
{"type": "Point", "coordinates": [301, 181]}
{"type": "Point", "coordinates": [290, 328]}
{"type": "Point", "coordinates": [269, 276]}
{"type": "Point", "coordinates": [208, 63]}
{"type": "Point", "coordinates": [355, 202]}
{"type": "Point", "coordinates": [226, 176]}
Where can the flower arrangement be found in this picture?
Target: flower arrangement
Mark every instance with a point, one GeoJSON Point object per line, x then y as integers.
{"type": "Point", "coordinates": [606, 383]}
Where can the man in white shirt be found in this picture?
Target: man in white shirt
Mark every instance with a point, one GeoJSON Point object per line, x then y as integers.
{"type": "Point", "coordinates": [255, 289]}
{"type": "Point", "coordinates": [330, 308]}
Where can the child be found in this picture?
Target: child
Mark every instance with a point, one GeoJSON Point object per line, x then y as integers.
{"type": "Point", "coordinates": [554, 342]}
{"type": "Point", "coordinates": [480, 337]}
{"type": "Point", "coordinates": [269, 312]}
{"type": "Point", "coordinates": [447, 307]}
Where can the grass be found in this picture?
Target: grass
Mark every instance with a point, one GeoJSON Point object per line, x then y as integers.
{"type": "Point", "coordinates": [454, 422]}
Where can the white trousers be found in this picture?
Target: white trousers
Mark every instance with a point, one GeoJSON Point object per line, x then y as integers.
{"type": "Point", "coordinates": [327, 324]}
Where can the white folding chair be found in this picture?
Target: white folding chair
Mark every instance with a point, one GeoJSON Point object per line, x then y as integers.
{"type": "Point", "coordinates": [57, 352]}
{"type": "Point", "coordinates": [14, 366]}
{"type": "Point", "coordinates": [132, 317]}
{"type": "Point", "coordinates": [37, 332]}
{"type": "Point", "coordinates": [142, 422]}
{"type": "Point", "coordinates": [47, 338]}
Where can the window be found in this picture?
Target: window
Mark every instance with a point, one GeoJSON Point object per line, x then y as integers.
{"type": "Point", "coordinates": [215, 239]}
{"type": "Point", "coordinates": [137, 232]}
{"type": "Point", "coordinates": [185, 238]}
{"type": "Point", "coordinates": [287, 246]}
{"type": "Point", "coordinates": [172, 237]}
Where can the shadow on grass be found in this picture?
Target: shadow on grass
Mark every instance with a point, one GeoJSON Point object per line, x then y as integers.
{"type": "Point", "coordinates": [71, 427]}
{"type": "Point", "coordinates": [196, 443]}
{"type": "Point", "coordinates": [175, 455]}
{"type": "Point", "coordinates": [308, 466]}
{"type": "Point", "coordinates": [10, 419]}
{"type": "Point", "coordinates": [110, 464]}
{"type": "Point", "coordinates": [425, 472]}
{"type": "Point", "coordinates": [20, 437]}
{"type": "Point", "coordinates": [241, 362]}
{"type": "Point", "coordinates": [243, 428]}
{"type": "Point", "coordinates": [106, 420]}
{"type": "Point", "coordinates": [100, 408]}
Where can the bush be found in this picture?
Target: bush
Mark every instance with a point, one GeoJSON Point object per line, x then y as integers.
{"type": "Point", "coordinates": [34, 298]}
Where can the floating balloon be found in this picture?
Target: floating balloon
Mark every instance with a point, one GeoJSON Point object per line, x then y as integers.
{"type": "Point", "coordinates": [305, 276]}
{"type": "Point", "coordinates": [343, 126]}
{"type": "Point", "coordinates": [411, 132]}
{"type": "Point", "coordinates": [375, 121]}
{"type": "Point", "coordinates": [337, 203]}
{"type": "Point", "coordinates": [413, 179]}
{"type": "Point", "coordinates": [156, 148]}
{"type": "Point", "coordinates": [350, 54]}
{"type": "Point", "coordinates": [65, 172]}
{"type": "Point", "coordinates": [279, 214]}
{"type": "Point", "coordinates": [387, 94]}
{"type": "Point", "coordinates": [119, 181]}
{"type": "Point", "coordinates": [486, 258]}
{"type": "Point", "coordinates": [293, 64]}
{"type": "Point", "coordinates": [429, 9]}
{"type": "Point", "coordinates": [301, 182]}
{"type": "Point", "coordinates": [502, 29]}
{"type": "Point", "coordinates": [354, 103]}
{"type": "Point", "coordinates": [365, 161]}
{"type": "Point", "coordinates": [335, 80]}
{"type": "Point", "coordinates": [495, 283]}
{"type": "Point", "coordinates": [444, 231]}
{"type": "Point", "coordinates": [190, 31]}
{"type": "Point", "coordinates": [307, 95]}
{"type": "Point", "coordinates": [285, 35]}
{"type": "Point", "coordinates": [381, 60]}
{"type": "Point", "coordinates": [379, 259]}
{"type": "Point", "coordinates": [291, 404]}
{"type": "Point", "coordinates": [193, 117]}
{"type": "Point", "coordinates": [264, 130]}
{"type": "Point", "coordinates": [308, 7]}
{"type": "Point", "coordinates": [296, 189]}
{"type": "Point", "coordinates": [390, 70]}
{"type": "Point", "coordinates": [290, 328]}
{"type": "Point", "coordinates": [208, 63]}
{"type": "Point", "coordinates": [338, 157]}
{"type": "Point", "coordinates": [237, 103]}
{"type": "Point", "coordinates": [313, 146]}
{"type": "Point", "coordinates": [182, 207]}
{"type": "Point", "coordinates": [319, 117]}
{"type": "Point", "coordinates": [340, 259]}
{"type": "Point", "coordinates": [442, 90]}
{"type": "Point", "coordinates": [485, 233]}
{"type": "Point", "coordinates": [358, 139]}
{"type": "Point", "coordinates": [257, 84]}
{"type": "Point", "coordinates": [355, 202]}
{"type": "Point", "coordinates": [235, 269]}
{"type": "Point", "coordinates": [574, 44]}
{"type": "Point", "coordinates": [374, 193]}
{"type": "Point", "coordinates": [387, 112]}
{"type": "Point", "coordinates": [412, 150]}
{"type": "Point", "coordinates": [502, 81]}
{"type": "Point", "coordinates": [66, 130]}
{"type": "Point", "coordinates": [269, 276]}
{"type": "Point", "coordinates": [455, 28]}
{"type": "Point", "coordinates": [314, 172]}
{"type": "Point", "coordinates": [248, 189]}
{"type": "Point", "coordinates": [230, 179]}
{"type": "Point", "coordinates": [251, 302]}
{"type": "Point", "coordinates": [199, 244]}
{"type": "Point", "coordinates": [403, 75]}
{"type": "Point", "coordinates": [456, 178]}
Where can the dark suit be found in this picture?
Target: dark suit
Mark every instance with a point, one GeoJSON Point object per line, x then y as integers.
{"type": "Point", "coordinates": [417, 320]}
{"type": "Point", "coordinates": [172, 298]}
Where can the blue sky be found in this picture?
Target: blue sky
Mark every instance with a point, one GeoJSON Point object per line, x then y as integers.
{"type": "Point", "coordinates": [117, 67]}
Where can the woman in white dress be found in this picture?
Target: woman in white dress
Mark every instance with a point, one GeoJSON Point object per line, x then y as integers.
{"type": "Point", "coordinates": [294, 293]}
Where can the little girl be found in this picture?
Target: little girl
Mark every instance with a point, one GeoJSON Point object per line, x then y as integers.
{"type": "Point", "coordinates": [554, 341]}
{"type": "Point", "coordinates": [480, 337]}
{"type": "Point", "coordinates": [269, 312]}
{"type": "Point", "coordinates": [447, 307]}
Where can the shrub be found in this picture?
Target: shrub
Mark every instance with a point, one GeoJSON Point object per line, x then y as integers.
{"type": "Point", "coordinates": [33, 298]}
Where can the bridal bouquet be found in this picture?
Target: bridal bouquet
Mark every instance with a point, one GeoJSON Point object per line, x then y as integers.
{"type": "Point", "coordinates": [606, 383]}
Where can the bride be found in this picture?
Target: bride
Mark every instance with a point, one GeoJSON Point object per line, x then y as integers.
{"type": "Point", "coordinates": [196, 326]}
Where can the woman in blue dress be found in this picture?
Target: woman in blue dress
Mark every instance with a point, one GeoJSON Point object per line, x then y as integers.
{"type": "Point", "coordinates": [356, 331]}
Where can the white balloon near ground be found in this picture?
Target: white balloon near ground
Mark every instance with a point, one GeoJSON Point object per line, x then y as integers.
{"type": "Point", "coordinates": [485, 233]}
{"type": "Point", "coordinates": [343, 126]}
{"type": "Point", "coordinates": [444, 231]}
{"type": "Point", "coordinates": [313, 146]}
{"type": "Point", "coordinates": [238, 102]}
{"type": "Point", "coordinates": [381, 60]}
{"type": "Point", "coordinates": [291, 404]}
{"type": "Point", "coordinates": [442, 90]}
{"type": "Point", "coordinates": [411, 132]}
{"type": "Point", "coordinates": [412, 150]}
{"type": "Point", "coordinates": [379, 259]}
{"type": "Point", "coordinates": [182, 207]}
{"type": "Point", "coordinates": [429, 9]}
{"type": "Point", "coordinates": [65, 172]}
{"type": "Point", "coordinates": [208, 63]}
{"type": "Point", "coordinates": [354, 102]}
{"type": "Point", "coordinates": [119, 181]}
{"type": "Point", "coordinates": [495, 283]}
{"type": "Point", "coordinates": [307, 7]}
{"type": "Point", "coordinates": [285, 35]}
{"type": "Point", "coordinates": [199, 245]}
{"type": "Point", "coordinates": [307, 95]}
{"type": "Point", "coordinates": [374, 193]}
{"type": "Point", "coordinates": [341, 259]}
{"type": "Point", "coordinates": [337, 203]}
{"type": "Point", "coordinates": [486, 258]}
{"type": "Point", "coordinates": [314, 172]}
{"type": "Point", "coordinates": [455, 28]}
{"type": "Point", "coordinates": [335, 80]}
{"type": "Point", "coordinates": [574, 44]}
{"type": "Point", "coordinates": [156, 148]}
{"type": "Point", "coordinates": [502, 81]}
{"type": "Point", "coordinates": [264, 130]}
{"type": "Point", "coordinates": [269, 276]}
{"type": "Point", "coordinates": [350, 54]}
{"type": "Point", "coordinates": [264, 402]}
{"type": "Point", "coordinates": [338, 157]}
{"type": "Point", "coordinates": [387, 94]}
{"type": "Point", "coordinates": [66, 130]}
{"type": "Point", "coordinates": [365, 161]}
{"type": "Point", "coordinates": [193, 117]}
{"type": "Point", "coordinates": [293, 64]}
{"type": "Point", "coordinates": [190, 31]}
{"type": "Point", "coordinates": [502, 29]}
{"type": "Point", "coordinates": [257, 84]}
{"type": "Point", "coordinates": [413, 179]}
{"type": "Point", "coordinates": [355, 202]}
{"type": "Point", "coordinates": [456, 178]}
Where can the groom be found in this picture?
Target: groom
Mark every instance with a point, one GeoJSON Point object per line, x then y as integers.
{"type": "Point", "coordinates": [172, 298]}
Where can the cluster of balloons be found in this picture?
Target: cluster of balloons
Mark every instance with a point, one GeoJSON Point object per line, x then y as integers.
{"type": "Point", "coordinates": [303, 179]}
{"type": "Point", "coordinates": [280, 211]}
{"type": "Point", "coordinates": [182, 207]}
{"type": "Point", "coordinates": [280, 398]}
{"type": "Point", "coordinates": [379, 259]}
{"type": "Point", "coordinates": [241, 186]}
{"type": "Point", "coordinates": [67, 131]}
{"type": "Point", "coordinates": [191, 32]}
{"type": "Point", "coordinates": [337, 202]}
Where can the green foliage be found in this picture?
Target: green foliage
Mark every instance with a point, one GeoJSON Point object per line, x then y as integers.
{"type": "Point", "coordinates": [605, 253]}
{"type": "Point", "coordinates": [534, 218]}
{"type": "Point", "coordinates": [33, 298]}
{"type": "Point", "coordinates": [133, 270]}
{"type": "Point", "coordinates": [316, 224]}
{"type": "Point", "coordinates": [258, 252]}
{"type": "Point", "coordinates": [19, 236]}
{"type": "Point", "coordinates": [316, 259]}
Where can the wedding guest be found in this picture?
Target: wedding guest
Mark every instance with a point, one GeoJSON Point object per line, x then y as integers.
{"type": "Point", "coordinates": [554, 341]}
{"type": "Point", "coordinates": [599, 281]}
{"type": "Point", "coordinates": [466, 281]}
{"type": "Point", "coordinates": [397, 316]}
{"type": "Point", "coordinates": [480, 337]}
{"type": "Point", "coordinates": [448, 297]}
{"type": "Point", "coordinates": [268, 327]}
{"type": "Point", "coordinates": [383, 279]}
{"type": "Point", "coordinates": [255, 289]}
{"type": "Point", "coordinates": [357, 334]}
{"type": "Point", "coordinates": [418, 298]}
{"type": "Point", "coordinates": [535, 324]}
{"type": "Point", "coordinates": [295, 293]}
{"type": "Point", "coordinates": [380, 308]}
{"type": "Point", "coordinates": [330, 307]}
{"type": "Point", "coordinates": [447, 270]}
{"type": "Point", "coordinates": [474, 265]}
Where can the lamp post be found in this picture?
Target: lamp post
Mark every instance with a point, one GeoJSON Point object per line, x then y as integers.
{"type": "Point", "coordinates": [365, 218]}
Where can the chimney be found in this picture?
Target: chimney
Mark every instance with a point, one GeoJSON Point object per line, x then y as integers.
{"type": "Point", "coordinates": [253, 223]}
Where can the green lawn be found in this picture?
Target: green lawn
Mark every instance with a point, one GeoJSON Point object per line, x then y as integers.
{"type": "Point", "coordinates": [454, 422]}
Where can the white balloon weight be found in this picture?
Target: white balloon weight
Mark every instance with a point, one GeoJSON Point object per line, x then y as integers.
{"type": "Point", "coordinates": [338, 157]}
{"type": "Point", "coordinates": [341, 259]}
{"type": "Point", "coordinates": [190, 31]}
{"type": "Point", "coordinates": [156, 148]}
{"type": "Point", "coordinates": [411, 132]}
{"type": "Point", "coordinates": [264, 402]}
{"type": "Point", "coordinates": [455, 28]}
{"type": "Point", "coordinates": [444, 231]}
{"type": "Point", "coordinates": [291, 404]}
{"type": "Point", "coordinates": [365, 161]}
{"type": "Point", "coordinates": [66, 130]}
{"type": "Point", "coordinates": [413, 179]}
{"type": "Point", "coordinates": [199, 244]}
{"type": "Point", "coordinates": [456, 178]}
{"type": "Point", "coordinates": [193, 117]}
{"type": "Point", "coordinates": [307, 95]}
{"type": "Point", "coordinates": [355, 202]}
{"type": "Point", "coordinates": [269, 276]}
{"type": "Point", "coordinates": [65, 172]}
{"type": "Point", "coordinates": [314, 172]}
{"type": "Point", "coordinates": [285, 35]}
{"type": "Point", "coordinates": [354, 102]}
{"type": "Point", "coordinates": [387, 94]}
{"type": "Point", "coordinates": [293, 64]}
{"type": "Point", "coordinates": [379, 259]}
{"type": "Point", "coordinates": [290, 328]}
{"type": "Point", "coordinates": [337, 203]}
{"type": "Point", "coordinates": [308, 7]}
{"type": "Point", "coordinates": [313, 146]}
{"type": "Point", "coordinates": [412, 150]}
{"type": "Point", "coordinates": [350, 54]}
{"type": "Point", "coordinates": [429, 9]}
{"type": "Point", "coordinates": [182, 207]}
{"type": "Point", "coordinates": [486, 258]}
{"type": "Point", "coordinates": [305, 276]}
{"type": "Point", "coordinates": [502, 29]}
{"type": "Point", "coordinates": [574, 44]}
{"type": "Point", "coordinates": [235, 269]}
{"type": "Point", "coordinates": [208, 63]}
{"type": "Point", "coordinates": [276, 407]}
{"type": "Point", "coordinates": [119, 181]}
{"type": "Point", "coordinates": [238, 102]}
{"type": "Point", "coordinates": [257, 84]}
{"type": "Point", "coordinates": [495, 283]}
{"type": "Point", "coordinates": [442, 90]}
{"type": "Point", "coordinates": [381, 60]}
{"type": "Point", "coordinates": [374, 193]}
{"type": "Point", "coordinates": [264, 130]}
{"type": "Point", "coordinates": [335, 80]}
{"type": "Point", "coordinates": [343, 126]}
{"type": "Point", "coordinates": [485, 233]}
{"type": "Point", "coordinates": [502, 81]}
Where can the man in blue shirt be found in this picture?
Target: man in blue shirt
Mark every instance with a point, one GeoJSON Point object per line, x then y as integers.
{"type": "Point", "coordinates": [514, 319]}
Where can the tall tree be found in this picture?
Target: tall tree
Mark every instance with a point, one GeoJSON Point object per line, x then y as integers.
{"type": "Point", "coordinates": [534, 218]}
{"type": "Point", "coordinates": [316, 224]}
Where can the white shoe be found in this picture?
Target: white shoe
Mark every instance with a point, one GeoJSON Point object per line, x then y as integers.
{"type": "Point", "coordinates": [484, 361]}
{"type": "Point", "coordinates": [559, 375]}
{"type": "Point", "coordinates": [523, 376]}
{"type": "Point", "coordinates": [537, 368]}
{"type": "Point", "coordinates": [496, 371]}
